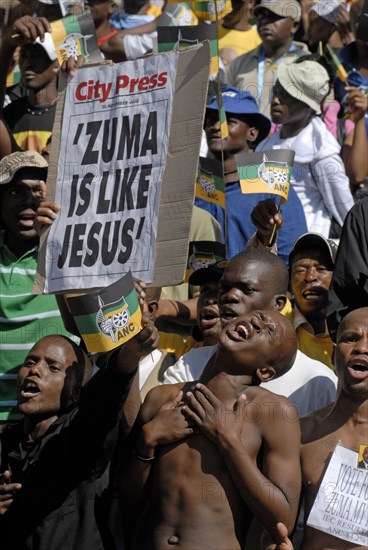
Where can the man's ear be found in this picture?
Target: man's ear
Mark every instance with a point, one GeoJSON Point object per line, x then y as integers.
{"type": "Point", "coordinates": [295, 27]}
{"type": "Point", "coordinates": [252, 134]}
{"type": "Point", "coordinates": [153, 309]}
{"type": "Point", "coordinates": [265, 374]}
{"type": "Point", "coordinates": [112, 8]}
{"type": "Point", "coordinates": [74, 398]}
{"type": "Point", "coordinates": [280, 301]}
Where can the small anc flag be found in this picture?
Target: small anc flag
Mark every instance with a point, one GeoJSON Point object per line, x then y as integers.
{"type": "Point", "coordinates": [213, 10]}
{"type": "Point", "coordinates": [266, 172]}
{"type": "Point", "coordinates": [202, 254]}
{"type": "Point", "coordinates": [337, 65]}
{"type": "Point", "coordinates": [210, 184]}
{"type": "Point", "coordinates": [13, 77]}
{"type": "Point", "coordinates": [176, 15]}
{"type": "Point", "coordinates": [75, 35]}
{"type": "Point", "coordinates": [109, 317]}
{"type": "Point", "coordinates": [170, 38]}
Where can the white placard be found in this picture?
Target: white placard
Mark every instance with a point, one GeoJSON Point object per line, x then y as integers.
{"type": "Point", "coordinates": [341, 505]}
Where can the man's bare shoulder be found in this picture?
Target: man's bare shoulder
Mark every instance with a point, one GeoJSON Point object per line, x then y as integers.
{"type": "Point", "coordinates": [271, 408]}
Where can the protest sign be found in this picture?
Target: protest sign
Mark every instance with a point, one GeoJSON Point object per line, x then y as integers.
{"type": "Point", "coordinates": [114, 139]}
{"type": "Point", "coordinates": [341, 505]}
{"type": "Point", "coordinates": [108, 318]}
{"type": "Point", "coordinates": [170, 246]}
{"type": "Point", "coordinates": [202, 254]}
{"type": "Point", "coordinates": [75, 35]}
{"type": "Point", "coordinates": [266, 172]}
{"type": "Point", "coordinates": [210, 184]}
{"type": "Point", "coordinates": [171, 38]}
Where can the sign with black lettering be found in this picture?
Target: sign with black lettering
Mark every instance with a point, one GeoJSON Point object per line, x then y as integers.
{"type": "Point", "coordinates": [114, 139]}
{"type": "Point", "coordinates": [341, 505]}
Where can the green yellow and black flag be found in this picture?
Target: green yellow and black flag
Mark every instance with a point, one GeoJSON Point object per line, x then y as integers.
{"type": "Point", "coordinates": [176, 15]}
{"type": "Point", "coordinates": [210, 184]}
{"type": "Point", "coordinates": [202, 254]}
{"type": "Point", "coordinates": [170, 38]}
{"type": "Point", "coordinates": [266, 172]}
{"type": "Point", "coordinates": [109, 317]}
{"type": "Point", "coordinates": [76, 35]}
{"type": "Point", "coordinates": [212, 10]}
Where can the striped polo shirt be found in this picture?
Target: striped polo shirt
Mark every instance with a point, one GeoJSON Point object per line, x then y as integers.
{"type": "Point", "coordinates": [24, 319]}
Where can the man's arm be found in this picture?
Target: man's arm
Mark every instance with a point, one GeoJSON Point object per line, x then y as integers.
{"type": "Point", "coordinates": [273, 494]}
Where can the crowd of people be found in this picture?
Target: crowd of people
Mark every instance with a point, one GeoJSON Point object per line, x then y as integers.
{"type": "Point", "coordinates": [213, 428]}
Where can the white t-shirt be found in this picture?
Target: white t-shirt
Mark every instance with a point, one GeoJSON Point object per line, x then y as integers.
{"type": "Point", "coordinates": [309, 384]}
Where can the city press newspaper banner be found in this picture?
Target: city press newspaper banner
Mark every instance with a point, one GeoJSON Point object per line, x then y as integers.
{"type": "Point", "coordinates": [266, 172]}
{"type": "Point", "coordinates": [114, 137]}
{"type": "Point", "coordinates": [108, 318]}
{"type": "Point", "coordinates": [340, 508]}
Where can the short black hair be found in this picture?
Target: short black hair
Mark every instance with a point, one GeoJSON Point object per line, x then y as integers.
{"type": "Point", "coordinates": [276, 266]}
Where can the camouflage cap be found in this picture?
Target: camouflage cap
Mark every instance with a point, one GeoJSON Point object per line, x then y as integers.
{"type": "Point", "coordinates": [14, 162]}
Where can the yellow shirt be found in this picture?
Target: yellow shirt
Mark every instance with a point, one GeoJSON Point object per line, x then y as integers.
{"type": "Point", "coordinates": [176, 345]}
{"type": "Point", "coordinates": [240, 41]}
{"type": "Point", "coordinates": [317, 347]}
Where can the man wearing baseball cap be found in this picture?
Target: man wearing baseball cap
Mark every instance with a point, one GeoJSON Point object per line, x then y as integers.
{"type": "Point", "coordinates": [247, 127]}
{"type": "Point", "coordinates": [311, 264]}
{"type": "Point", "coordinates": [318, 173]}
{"type": "Point", "coordinates": [31, 118]}
{"type": "Point", "coordinates": [24, 318]}
{"type": "Point", "coordinates": [255, 71]}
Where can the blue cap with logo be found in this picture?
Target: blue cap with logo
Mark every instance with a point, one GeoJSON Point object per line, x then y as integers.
{"type": "Point", "coordinates": [242, 103]}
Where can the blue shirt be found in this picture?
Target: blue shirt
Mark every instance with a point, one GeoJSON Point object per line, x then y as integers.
{"type": "Point", "coordinates": [240, 227]}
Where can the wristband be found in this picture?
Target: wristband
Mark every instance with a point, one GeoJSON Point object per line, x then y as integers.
{"type": "Point", "coordinates": [143, 458]}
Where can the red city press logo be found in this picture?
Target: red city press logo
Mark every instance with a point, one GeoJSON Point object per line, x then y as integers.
{"type": "Point", "coordinates": [91, 90]}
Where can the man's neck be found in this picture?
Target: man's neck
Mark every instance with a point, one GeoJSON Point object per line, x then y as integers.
{"type": "Point", "coordinates": [317, 324]}
{"type": "Point", "coordinates": [351, 410]}
{"type": "Point", "coordinates": [292, 130]}
{"type": "Point", "coordinates": [227, 387]}
{"type": "Point", "coordinates": [274, 52]}
{"type": "Point", "coordinates": [47, 96]}
{"type": "Point", "coordinates": [230, 167]}
{"type": "Point", "coordinates": [34, 429]}
{"type": "Point", "coordinates": [103, 29]}
{"type": "Point", "coordinates": [19, 246]}
{"type": "Point", "coordinates": [237, 20]}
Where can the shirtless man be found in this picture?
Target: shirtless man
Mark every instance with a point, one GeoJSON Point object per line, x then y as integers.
{"type": "Point", "coordinates": [344, 421]}
{"type": "Point", "coordinates": [225, 458]}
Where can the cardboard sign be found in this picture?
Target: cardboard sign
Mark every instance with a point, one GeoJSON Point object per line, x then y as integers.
{"type": "Point", "coordinates": [266, 172]}
{"type": "Point", "coordinates": [108, 318]}
{"type": "Point", "coordinates": [166, 255]}
{"type": "Point", "coordinates": [340, 508]}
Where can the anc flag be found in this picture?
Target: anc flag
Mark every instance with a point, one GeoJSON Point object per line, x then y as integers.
{"type": "Point", "coordinates": [109, 317]}
{"type": "Point", "coordinates": [213, 10]}
{"type": "Point", "coordinates": [13, 77]}
{"type": "Point", "coordinates": [169, 38]}
{"type": "Point", "coordinates": [266, 172]}
{"type": "Point", "coordinates": [210, 184]}
{"type": "Point", "coordinates": [176, 15]}
{"type": "Point", "coordinates": [202, 254]}
{"type": "Point", "coordinates": [75, 35]}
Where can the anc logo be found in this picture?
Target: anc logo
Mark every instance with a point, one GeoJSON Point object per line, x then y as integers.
{"type": "Point", "coordinates": [273, 172]}
{"type": "Point", "coordinates": [111, 324]}
{"type": "Point", "coordinates": [207, 183]}
{"type": "Point", "coordinates": [198, 259]}
{"type": "Point", "coordinates": [74, 44]}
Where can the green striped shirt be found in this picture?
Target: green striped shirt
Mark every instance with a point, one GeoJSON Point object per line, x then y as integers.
{"type": "Point", "coordinates": [24, 319]}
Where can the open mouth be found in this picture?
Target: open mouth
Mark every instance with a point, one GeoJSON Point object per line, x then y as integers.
{"type": "Point", "coordinates": [358, 369]}
{"type": "Point", "coordinates": [313, 294]}
{"type": "Point", "coordinates": [27, 220]}
{"type": "Point", "coordinates": [227, 315]}
{"type": "Point", "coordinates": [240, 333]}
{"type": "Point", "coordinates": [209, 318]}
{"type": "Point", "coordinates": [29, 389]}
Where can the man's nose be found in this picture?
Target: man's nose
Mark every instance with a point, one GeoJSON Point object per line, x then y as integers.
{"type": "Point", "coordinates": [311, 274]}
{"type": "Point", "coordinates": [210, 299]}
